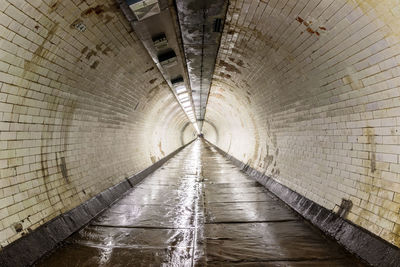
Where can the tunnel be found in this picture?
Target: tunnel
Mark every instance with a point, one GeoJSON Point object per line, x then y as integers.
{"type": "Point", "coordinates": [199, 133]}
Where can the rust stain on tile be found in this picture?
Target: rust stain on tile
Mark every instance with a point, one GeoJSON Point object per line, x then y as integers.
{"type": "Point", "coordinates": [229, 67]}
{"type": "Point", "coordinates": [299, 19]}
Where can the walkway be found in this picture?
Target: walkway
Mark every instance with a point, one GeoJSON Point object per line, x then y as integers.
{"type": "Point", "coordinates": [198, 209]}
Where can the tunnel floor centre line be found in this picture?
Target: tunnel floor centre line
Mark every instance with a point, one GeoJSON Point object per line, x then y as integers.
{"type": "Point", "coordinates": [199, 210]}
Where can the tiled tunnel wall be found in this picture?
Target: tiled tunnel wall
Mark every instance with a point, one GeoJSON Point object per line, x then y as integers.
{"type": "Point", "coordinates": [79, 111]}
{"type": "Point", "coordinates": [308, 92]}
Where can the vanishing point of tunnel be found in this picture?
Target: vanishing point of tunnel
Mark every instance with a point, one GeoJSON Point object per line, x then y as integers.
{"type": "Point", "coordinates": [199, 133]}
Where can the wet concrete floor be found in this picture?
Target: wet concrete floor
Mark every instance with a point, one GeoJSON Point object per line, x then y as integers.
{"type": "Point", "coordinates": [199, 210]}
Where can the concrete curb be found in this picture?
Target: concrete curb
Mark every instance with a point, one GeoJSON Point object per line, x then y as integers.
{"type": "Point", "coordinates": [369, 247]}
{"type": "Point", "coordinates": [28, 249]}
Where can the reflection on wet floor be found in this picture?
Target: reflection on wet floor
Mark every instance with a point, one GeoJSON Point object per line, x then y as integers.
{"type": "Point", "coordinates": [196, 210]}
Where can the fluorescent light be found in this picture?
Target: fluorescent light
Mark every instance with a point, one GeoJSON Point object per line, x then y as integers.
{"type": "Point", "coordinates": [180, 89]}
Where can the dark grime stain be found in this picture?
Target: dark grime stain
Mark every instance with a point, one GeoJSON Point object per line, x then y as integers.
{"type": "Point", "coordinates": [108, 18]}
{"type": "Point", "coordinates": [229, 67]}
{"type": "Point", "coordinates": [99, 9]}
{"type": "Point", "coordinates": [106, 51]}
{"type": "Point", "coordinates": [95, 64]}
{"type": "Point", "coordinates": [225, 75]}
{"type": "Point", "coordinates": [149, 69]}
{"type": "Point", "coordinates": [90, 54]}
{"type": "Point", "coordinates": [84, 50]}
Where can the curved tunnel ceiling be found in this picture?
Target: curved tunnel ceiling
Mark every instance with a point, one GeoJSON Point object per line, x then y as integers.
{"type": "Point", "coordinates": [306, 92]}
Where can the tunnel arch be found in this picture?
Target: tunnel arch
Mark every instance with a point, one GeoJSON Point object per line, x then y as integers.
{"type": "Point", "coordinates": [305, 92]}
{"type": "Point", "coordinates": [209, 129]}
{"type": "Point", "coordinates": [188, 133]}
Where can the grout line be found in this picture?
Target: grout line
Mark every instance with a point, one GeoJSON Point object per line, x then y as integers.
{"type": "Point", "coordinates": [261, 221]}
{"type": "Point", "coordinates": [243, 201]}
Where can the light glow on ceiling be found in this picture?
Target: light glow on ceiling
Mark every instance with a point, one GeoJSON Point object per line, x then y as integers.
{"type": "Point", "coordinates": [184, 101]}
{"type": "Point", "coordinates": [180, 89]}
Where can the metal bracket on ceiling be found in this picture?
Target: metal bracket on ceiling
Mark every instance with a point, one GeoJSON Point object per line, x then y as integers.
{"type": "Point", "coordinates": [152, 22]}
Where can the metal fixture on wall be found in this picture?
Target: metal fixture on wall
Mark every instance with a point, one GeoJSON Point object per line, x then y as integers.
{"type": "Point", "coordinates": [144, 8]}
{"type": "Point", "coordinates": [167, 59]}
{"type": "Point", "coordinates": [160, 42]}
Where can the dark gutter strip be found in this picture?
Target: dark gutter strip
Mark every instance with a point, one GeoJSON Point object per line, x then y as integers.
{"type": "Point", "coordinates": [28, 249]}
{"type": "Point", "coordinates": [369, 247]}
{"type": "Point", "coordinates": [245, 222]}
